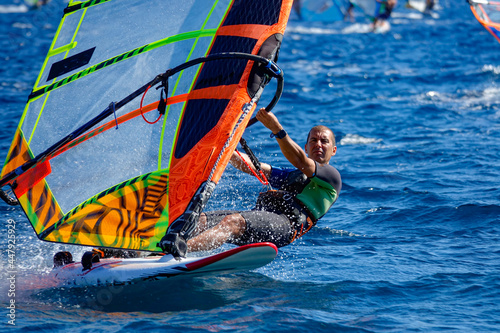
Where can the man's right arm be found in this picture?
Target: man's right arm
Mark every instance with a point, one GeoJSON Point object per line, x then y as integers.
{"type": "Point", "coordinates": [290, 149]}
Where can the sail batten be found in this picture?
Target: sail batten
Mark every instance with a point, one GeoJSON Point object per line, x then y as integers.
{"type": "Point", "coordinates": [84, 164]}
{"type": "Point", "coordinates": [112, 61]}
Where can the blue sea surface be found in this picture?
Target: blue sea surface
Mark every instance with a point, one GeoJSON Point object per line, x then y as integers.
{"type": "Point", "coordinates": [413, 242]}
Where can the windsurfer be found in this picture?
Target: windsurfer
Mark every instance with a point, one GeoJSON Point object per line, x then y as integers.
{"type": "Point", "coordinates": [349, 15]}
{"type": "Point", "coordinates": [429, 5]}
{"type": "Point", "coordinates": [305, 194]}
{"type": "Point", "coordinates": [383, 10]}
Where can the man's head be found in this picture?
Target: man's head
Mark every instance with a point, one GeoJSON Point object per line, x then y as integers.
{"type": "Point", "coordinates": [320, 145]}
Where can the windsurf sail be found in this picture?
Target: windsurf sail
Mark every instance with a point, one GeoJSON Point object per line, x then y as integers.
{"type": "Point", "coordinates": [367, 7]}
{"type": "Point", "coordinates": [321, 10]}
{"type": "Point", "coordinates": [135, 114]}
{"type": "Point", "coordinates": [488, 14]}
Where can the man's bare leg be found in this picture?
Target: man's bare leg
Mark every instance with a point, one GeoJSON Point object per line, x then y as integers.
{"type": "Point", "coordinates": [201, 225]}
{"type": "Point", "coordinates": [230, 227]}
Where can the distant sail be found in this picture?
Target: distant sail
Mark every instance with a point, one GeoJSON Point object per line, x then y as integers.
{"type": "Point", "coordinates": [321, 10]}
{"type": "Point", "coordinates": [98, 159]}
{"type": "Point", "coordinates": [333, 10]}
{"type": "Point", "coordinates": [367, 7]}
{"type": "Point", "coordinates": [488, 14]}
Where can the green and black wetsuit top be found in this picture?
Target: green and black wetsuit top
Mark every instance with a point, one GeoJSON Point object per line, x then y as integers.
{"type": "Point", "coordinates": [304, 200]}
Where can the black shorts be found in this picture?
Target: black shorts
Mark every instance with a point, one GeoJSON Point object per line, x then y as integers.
{"type": "Point", "coordinates": [261, 226]}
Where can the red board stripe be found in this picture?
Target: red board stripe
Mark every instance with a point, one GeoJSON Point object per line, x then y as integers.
{"type": "Point", "coordinates": [213, 259]}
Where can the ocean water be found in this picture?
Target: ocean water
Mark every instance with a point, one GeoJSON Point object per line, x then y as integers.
{"type": "Point", "coordinates": [413, 242]}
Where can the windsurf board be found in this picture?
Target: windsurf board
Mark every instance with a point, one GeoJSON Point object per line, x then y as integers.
{"type": "Point", "coordinates": [116, 271]}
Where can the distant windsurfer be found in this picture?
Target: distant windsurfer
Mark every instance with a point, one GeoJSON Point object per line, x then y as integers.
{"type": "Point", "coordinates": [383, 11]}
{"type": "Point", "coordinates": [36, 4]}
{"type": "Point", "coordinates": [429, 6]}
{"type": "Point", "coordinates": [349, 15]}
{"type": "Point", "coordinates": [304, 194]}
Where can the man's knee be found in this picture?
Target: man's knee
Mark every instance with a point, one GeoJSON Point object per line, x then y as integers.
{"type": "Point", "coordinates": [234, 223]}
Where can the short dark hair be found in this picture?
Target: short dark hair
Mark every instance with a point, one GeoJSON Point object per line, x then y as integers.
{"type": "Point", "coordinates": [321, 128]}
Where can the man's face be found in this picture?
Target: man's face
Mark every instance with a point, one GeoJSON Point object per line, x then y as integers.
{"type": "Point", "coordinates": [320, 146]}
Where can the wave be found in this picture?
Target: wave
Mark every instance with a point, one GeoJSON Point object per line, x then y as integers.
{"type": "Point", "coordinates": [311, 30]}
{"type": "Point", "coordinates": [11, 9]}
{"type": "Point", "coordinates": [356, 139]}
{"type": "Point", "coordinates": [491, 68]}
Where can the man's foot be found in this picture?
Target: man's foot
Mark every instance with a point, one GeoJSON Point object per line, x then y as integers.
{"type": "Point", "coordinates": [174, 244]}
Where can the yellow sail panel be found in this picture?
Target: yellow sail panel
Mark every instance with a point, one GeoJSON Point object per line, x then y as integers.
{"type": "Point", "coordinates": [40, 207]}
{"type": "Point", "coordinates": [124, 216]}
{"type": "Point", "coordinates": [18, 153]}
